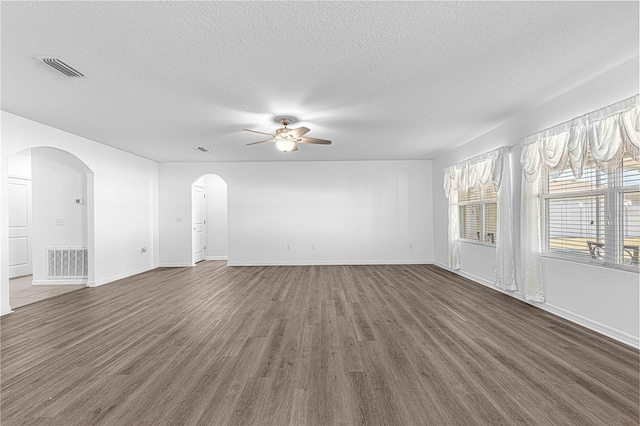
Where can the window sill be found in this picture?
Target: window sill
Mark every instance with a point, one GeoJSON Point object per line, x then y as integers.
{"type": "Point", "coordinates": [477, 243]}
{"type": "Point", "coordinates": [593, 262]}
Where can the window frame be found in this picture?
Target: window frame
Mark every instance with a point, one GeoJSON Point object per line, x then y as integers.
{"type": "Point", "coordinates": [613, 199]}
{"type": "Point", "coordinates": [482, 202]}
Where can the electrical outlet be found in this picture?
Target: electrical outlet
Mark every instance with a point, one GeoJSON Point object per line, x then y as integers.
{"type": "Point", "coordinates": [288, 246]}
{"type": "Point", "coordinates": [313, 247]}
{"type": "Point", "coordinates": [410, 246]}
{"type": "Point", "coordinates": [144, 250]}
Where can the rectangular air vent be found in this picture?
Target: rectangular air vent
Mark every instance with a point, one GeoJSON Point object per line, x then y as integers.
{"type": "Point", "coordinates": [60, 66]}
{"type": "Point", "coordinates": [67, 262]}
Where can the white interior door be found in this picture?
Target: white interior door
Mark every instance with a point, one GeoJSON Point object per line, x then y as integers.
{"type": "Point", "coordinates": [19, 227]}
{"type": "Point", "coordinates": [199, 215]}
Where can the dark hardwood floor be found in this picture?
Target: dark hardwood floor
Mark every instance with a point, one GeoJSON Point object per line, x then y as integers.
{"type": "Point", "coordinates": [318, 345]}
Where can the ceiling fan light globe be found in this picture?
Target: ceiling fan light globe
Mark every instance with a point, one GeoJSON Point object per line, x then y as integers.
{"type": "Point", "coordinates": [285, 145]}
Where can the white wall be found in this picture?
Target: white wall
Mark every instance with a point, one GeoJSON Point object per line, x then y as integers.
{"type": "Point", "coordinates": [58, 179]}
{"type": "Point", "coordinates": [19, 165]}
{"type": "Point", "coordinates": [350, 212]}
{"type": "Point", "coordinates": [603, 299]}
{"type": "Point", "coordinates": [122, 206]}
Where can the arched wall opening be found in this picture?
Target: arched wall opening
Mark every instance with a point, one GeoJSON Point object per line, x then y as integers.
{"type": "Point", "coordinates": [209, 229]}
{"type": "Point", "coordinates": [50, 219]}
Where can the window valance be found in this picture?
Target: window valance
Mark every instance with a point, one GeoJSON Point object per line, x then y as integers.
{"type": "Point", "coordinates": [607, 133]}
{"type": "Point", "coordinates": [475, 172]}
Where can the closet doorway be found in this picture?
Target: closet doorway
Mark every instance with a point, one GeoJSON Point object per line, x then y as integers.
{"type": "Point", "coordinates": [209, 218]}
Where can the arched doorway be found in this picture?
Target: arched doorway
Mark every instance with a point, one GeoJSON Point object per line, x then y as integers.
{"type": "Point", "coordinates": [50, 193]}
{"type": "Point", "coordinates": [209, 218]}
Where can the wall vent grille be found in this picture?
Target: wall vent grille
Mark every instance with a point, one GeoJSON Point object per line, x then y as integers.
{"type": "Point", "coordinates": [61, 66]}
{"type": "Point", "coordinates": [67, 262]}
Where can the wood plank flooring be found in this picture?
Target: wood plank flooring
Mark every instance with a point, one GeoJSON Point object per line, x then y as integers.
{"type": "Point", "coordinates": [316, 345]}
{"type": "Point", "coordinates": [22, 292]}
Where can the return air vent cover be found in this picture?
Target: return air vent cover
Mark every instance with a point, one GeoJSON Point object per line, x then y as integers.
{"type": "Point", "coordinates": [67, 262]}
{"type": "Point", "coordinates": [59, 65]}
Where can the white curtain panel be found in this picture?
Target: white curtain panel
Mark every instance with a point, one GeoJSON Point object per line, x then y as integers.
{"type": "Point", "coordinates": [492, 168]}
{"type": "Point", "coordinates": [505, 278]}
{"type": "Point", "coordinates": [452, 179]}
{"type": "Point", "coordinates": [607, 133]}
{"type": "Point", "coordinates": [454, 232]}
{"type": "Point", "coordinates": [530, 277]}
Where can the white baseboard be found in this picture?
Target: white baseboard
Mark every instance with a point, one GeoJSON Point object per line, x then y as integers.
{"type": "Point", "coordinates": [69, 281]}
{"type": "Point", "coordinates": [6, 310]}
{"type": "Point", "coordinates": [467, 275]}
{"type": "Point", "coordinates": [217, 258]}
{"type": "Point", "coordinates": [480, 280]}
{"type": "Point", "coordinates": [176, 265]}
{"type": "Point", "coordinates": [328, 262]}
{"type": "Point", "coordinates": [620, 336]}
{"type": "Point", "coordinates": [117, 277]}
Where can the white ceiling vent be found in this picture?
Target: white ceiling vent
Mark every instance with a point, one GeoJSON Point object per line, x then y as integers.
{"type": "Point", "coordinates": [59, 65]}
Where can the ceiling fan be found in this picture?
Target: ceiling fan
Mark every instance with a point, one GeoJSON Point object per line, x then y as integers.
{"type": "Point", "coordinates": [287, 139]}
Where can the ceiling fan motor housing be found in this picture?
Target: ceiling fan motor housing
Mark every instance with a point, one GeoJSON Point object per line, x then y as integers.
{"type": "Point", "coordinates": [285, 120]}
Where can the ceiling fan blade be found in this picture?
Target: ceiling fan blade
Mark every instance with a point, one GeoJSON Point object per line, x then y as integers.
{"type": "Point", "coordinates": [315, 141]}
{"type": "Point", "coordinates": [299, 132]}
{"type": "Point", "coordinates": [255, 143]}
{"type": "Point", "coordinates": [295, 148]}
{"type": "Point", "coordinates": [260, 133]}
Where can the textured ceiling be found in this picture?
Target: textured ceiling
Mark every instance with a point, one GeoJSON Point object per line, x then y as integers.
{"type": "Point", "coordinates": [383, 80]}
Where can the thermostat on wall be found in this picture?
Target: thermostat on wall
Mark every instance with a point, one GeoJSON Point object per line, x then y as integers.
{"type": "Point", "coordinates": [79, 201]}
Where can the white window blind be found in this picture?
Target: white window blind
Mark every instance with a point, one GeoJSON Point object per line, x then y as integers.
{"type": "Point", "coordinates": [479, 214]}
{"type": "Point", "coordinates": [629, 211]}
{"type": "Point", "coordinates": [596, 217]}
{"type": "Point", "coordinates": [470, 220]}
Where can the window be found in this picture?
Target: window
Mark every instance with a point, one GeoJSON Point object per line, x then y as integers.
{"type": "Point", "coordinates": [479, 214]}
{"type": "Point", "coordinates": [595, 218]}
